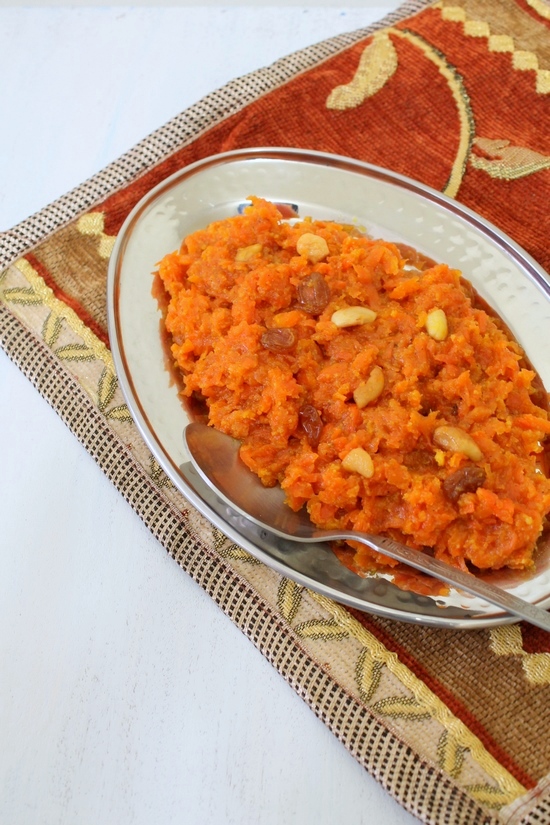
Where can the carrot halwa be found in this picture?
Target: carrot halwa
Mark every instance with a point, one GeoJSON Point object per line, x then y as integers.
{"type": "Point", "coordinates": [366, 380]}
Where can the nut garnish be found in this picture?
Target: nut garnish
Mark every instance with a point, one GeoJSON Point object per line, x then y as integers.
{"type": "Point", "coordinates": [370, 389]}
{"type": "Point", "coordinates": [246, 253]}
{"type": "Point", "coordinates": [457, 440]}
{"type": "Point", "coordinates": [352, 316]}
{"type": "Point", "coordinates": [313, 247]}
{"type": "Point", "coordinates": [436, 325]}
{"type": "Point", "coordinates": [359, 461]}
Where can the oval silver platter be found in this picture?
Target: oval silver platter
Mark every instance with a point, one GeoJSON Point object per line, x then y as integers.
{"type": "Point", "coordinates": [321, 186]}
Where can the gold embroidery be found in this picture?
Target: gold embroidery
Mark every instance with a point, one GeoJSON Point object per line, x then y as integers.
{"type": "Point", "coordinates": [537, 668]}
{"type": "Point", "coordinates": [374, 71]}
{"type": "Point", "coordinates": [22, 295]}
{"type": "Point", "coordinates": [325, 629]}
{"type": "Point", "coordinates": [507, 162]}
{"type": "Point", "coordinates": [157, 473]}
{"type": "Point", "coordinates": [106, 389]}
{"type": "Point", "coordinates": [219, 538]}
{"type": "Point", "coordinates": [466, 119]}
{"type": "Point", "coordinates": [120, 413]}
{"type": "Point", "coordinates": [106, 244]}
{"type": "Point", "coordinates": [500, 43]}
{"type": "Point", "coordinates": [51, 328]}
{"type": "Point", "coordinates": [223, 545]}
{"type": "Point", "coordinates": [404, 707]}
{"type": "Point", "coordinates": [229, 550]}
{"type": "Point", "coordinates": [476, 28]}
{"type": "Point", "coordinates": [540, 7]}
{"type": "Point", "coordinates": [450, 754]}
{"type": "Point", "coordinates": [87, 349]}
{"type": "Point", "coordinates": [377, 64]}
{"type": "Point", "coordinates": [486, 795]}
{"type": "Point", "coordinates": [75, 352]}
{"type": "Point", "coordinates": [522, 60]}
{"type": "Point", "coordinates": [508, 787]}
{"type": "Point", "coordinates": [45, 295]}
{"type": "Point", "coordinates": [289, 596]}
{"type": "Point", "coordinates": [236, 553]}
{"type": "Point", "coordinates": [93, 224]}
{"type": "Point", "coordinates": [507, 640]}
{"type": "Point", "coordinates": [368, 672]}
{"type": "Point", "coordinates": [543, 81]}
{"type": "Point", "coordinates": [452, 14]}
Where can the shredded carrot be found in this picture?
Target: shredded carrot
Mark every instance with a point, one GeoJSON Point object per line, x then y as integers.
{"type": "Point", "coordinates": [252, 329]}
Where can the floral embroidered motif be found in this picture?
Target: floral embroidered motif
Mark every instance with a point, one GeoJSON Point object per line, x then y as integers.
{"type": "Point", "coordinates": [505, 161]}
{"type": "Point", "coordinates": [377, 64]}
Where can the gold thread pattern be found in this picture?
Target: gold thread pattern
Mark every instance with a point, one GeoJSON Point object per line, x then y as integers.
{"type": "Point", "coordinates": [500, 43]}
{"type": "Point", "coordinates": [120, 413]}
{"type": "Point", "coordinates": [44, 295]}
{"type": "Point", "coordinates": [540, 7]}
{"type": "Point", "coordinates": [462, 101]}
{"type": "Point", "coordinates": [75, 352]}
{"type": "Point", "coordinates": [507, 162]}
{"type": "Point", "coordinates": [507, 787]}
{"type": "Point", "coordinates": [404, 707]}
{"type": "Point", "coordinates": [368, 673]}
{"type": "Point", "coordinates": [507, 640]}
{"type": "Point", "coordinates": [219, 539]}
{"type": "Point", "coordinates": [93, 224]}
{"type": "Point", "coordinates": [106, 389]}
{"type": "Point", "coordinates": [377, 64]}
{"type": "Point", "coordinates": [236, 553]}
{"type": "Point", "coordinates": [450, 754]}
{"type": "Point", "coordinates": [22, 295]}
{"type": "Point", "coordinates": [86, 349]}
{"type": "Point", "coordinates": [157, 473]}
{"type": "Point", "coordinates": [289, 596]}
{"type": "Point", "coordinates": [325, 629]}
{"type": "Point", "coordinates": [229, 550]}
{"type": "Point", "coordinates": [51, 328]}
{"type": "Point", "coordinates": [522, 60]}
{"type": "Point", "coordinates": [452, 14]}
{"type": "Point", "coordinates": [486, 795]}
{"type": "Point", "coordinates": [476, 28]}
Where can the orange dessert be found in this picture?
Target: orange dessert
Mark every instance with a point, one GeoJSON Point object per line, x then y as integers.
{"type": "Point", "coordinates": [367, 381]}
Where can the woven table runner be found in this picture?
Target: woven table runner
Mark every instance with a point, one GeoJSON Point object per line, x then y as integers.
{"type": "Point", "coordinates": [455, 94]}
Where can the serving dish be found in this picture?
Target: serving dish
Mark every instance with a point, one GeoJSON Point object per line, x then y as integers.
{"type": "Point", "coordinates": [321, 186]}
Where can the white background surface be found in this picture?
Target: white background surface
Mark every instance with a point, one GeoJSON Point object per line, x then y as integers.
{"type": "Point", "coordinates": [126, 696]}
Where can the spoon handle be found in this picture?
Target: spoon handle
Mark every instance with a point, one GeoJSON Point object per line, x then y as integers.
{"type": "Point", "coordinates": [452, 575]}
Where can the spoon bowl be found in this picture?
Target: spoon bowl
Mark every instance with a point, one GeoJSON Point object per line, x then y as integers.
{"type": "Point", "coordinates": [215, 456]}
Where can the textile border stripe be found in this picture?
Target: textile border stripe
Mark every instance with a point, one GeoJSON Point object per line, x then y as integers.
{"type": "Point", "coordinates": [179, 132]}
{"type": "Point", "coordinates": [419, 787]}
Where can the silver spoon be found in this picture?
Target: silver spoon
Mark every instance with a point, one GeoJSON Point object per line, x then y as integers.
{"type": "Point", "coordinates": [216, 459]}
